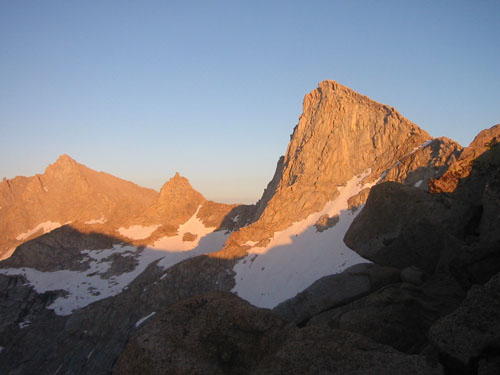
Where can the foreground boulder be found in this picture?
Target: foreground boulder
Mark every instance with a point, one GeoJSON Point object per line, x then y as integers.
{"type": "Point", "coordinates": [398, 315]}
{"type": "Point", "coordinates": [403, 226]}
{"type": "Point", "coordinates": [335, 290]}
{"type": "Point", "coordinates": [219, 333]}
{"type": "Point", "coordinates": [469, 338]}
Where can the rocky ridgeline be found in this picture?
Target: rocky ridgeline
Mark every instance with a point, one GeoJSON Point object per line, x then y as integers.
{"type": "Point", "coordinates": [432, 293]}
{"type": "Point", "coordinates": [341, 134]}
{"type": "Point", "coordinates": [72, 195]}
{"type": "Point", "coordinates": [178, 201]}
{"type": "Point", "coordinates": [66, 192]}
{"type": "Point", "coordinates": [397, 315]}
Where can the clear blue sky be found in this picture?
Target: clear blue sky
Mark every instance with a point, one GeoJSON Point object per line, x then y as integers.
{"type": "Point", "coordinates": [212, 89]}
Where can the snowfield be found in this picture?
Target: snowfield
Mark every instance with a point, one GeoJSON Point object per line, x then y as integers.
{"type": "Point", "coordinates": [84, 287]}
{"type": "Point", "coordinates": [299, 255]}
{"type": "Point", "coordinates": [101, 220]}
{"type": "Point", "coordinates": [207, 241]}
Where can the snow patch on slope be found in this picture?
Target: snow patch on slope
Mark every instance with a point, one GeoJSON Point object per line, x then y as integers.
{"type": "Point", "coordinates": [299, 255]}
{"type": "Point", "coordinates": [142, 320]}
{"type": "Point", "coordinates": [24, 324]}
{"type": "Point", "coordinates": [84, 287]}
{"type": "Point", "coordinates": [137, 232]}
{"type": "Point", "coordinates": [101, 220]}
{"type": "Point", "coordinates": [45, 227]}
{"type": "Point", "coordinates": [423, 145]}
{"type": "Point", "coordinates": [207, 241]}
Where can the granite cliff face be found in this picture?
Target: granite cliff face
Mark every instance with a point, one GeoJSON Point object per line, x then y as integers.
{"type": "Point", "coordinates": [461, 209]}
{"type": "Point", "coordinates": [446, 243]}
{"type": "Point", "coordinates": [342, 134]}
{"type": "Point", "coordinates": [343, 144]}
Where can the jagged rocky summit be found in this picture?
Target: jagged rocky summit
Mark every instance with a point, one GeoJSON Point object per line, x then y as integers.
{"type": "Point", "coordinates": [139, 264]}
{"type": "Point", "coordinates": [83, 260]}
{"type": "Point", "coordinates": [65, 193]}
{"type": "Point", "coordinates": [343, 144]}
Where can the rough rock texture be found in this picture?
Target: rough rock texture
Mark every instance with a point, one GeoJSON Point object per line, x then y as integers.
{"type": "Point", "coordinates": [425, 163]}
{"type": "Point", "coordinates": [462, 168]}
{"type": "Point", "coordinates": [358, 200]}
{"type": "Point", "coordinates": [391, 232]}
{"type": "Point", "coordinates": [314, 350]}
{"type": "Point", "coordinates": [472, 332]}
{"type": "Point", "coordinates": [413, 275]}
{"type": "Point", "coordinates": [340, 134]}
{"type": "Point", "coordinates": [398, 315]}
{"type": "Point", "coordinates": [451, 233]}
{"type": "Point", "coordinates": [218, 333]}
{"type": "Point", "coordinates": [224, 216]}
{"type": "Point", "coordinates": [325, 222]}
{"type": "Point", "coordinates": [336, 290]}
{"type": "Point", "coordinates": [178, 201]}
{"type": "Point", "coordinates": [85, 342]}
{"type": "Point", "coordinates": [71, 193]}
{"type": "Point", "coordinates": [473, 264]}
{"type": "Point", "coordinates": [66, 192]}
{"type": "Point", "coordinates": [20, 303]}
{"type": "Point", "coordinates": [90, 339]}
{"type": "Point", "coordinates": [435, 229]}
{"type": "Point", "coordinates": [60, 249]}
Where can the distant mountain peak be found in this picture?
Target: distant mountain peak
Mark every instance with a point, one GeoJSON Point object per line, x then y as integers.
{"type": "Point", "coordinates": [64, 163]}
{"type": "Point", "coordinates": [179, 189]}
{"type": "Point", "coordinates": [65, 158]}
{"type": "Point", "coordinates": [176, 184]}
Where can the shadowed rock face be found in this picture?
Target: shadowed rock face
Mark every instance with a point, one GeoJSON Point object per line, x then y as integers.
{"type": "Point", "coordinates": [60, 249]}
{"type": "Point", "coordinates": [426, 163]}
{"type": "Point", "coordinates": [470, 336]}
{"type": "Point", "coordinates": [462, 168]}
{"type": "Point", "coordinates": [90, 339]}
{"type": "Point", "coordinates": [336, 290]}
{"type": "Point", "coordinates": [218, 333]}
{"type": "Point", "coordinates": [452, 235]}
{"type": "Point", "coordinates": [402, 226]}
{"type": "Point", "coordinates": [392, 231]}
{"type": "Point", "coordinates": [398, 314]}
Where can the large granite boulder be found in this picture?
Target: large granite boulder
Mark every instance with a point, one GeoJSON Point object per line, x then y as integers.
{"type": "Point", "coordinates": [398, 315]}
{"type": "Point", "coordinates": [336, 290]}
{"type": "Point", "coordinates": [403, 226]}
{"type": "Point", "coordinates": [469, 337]}
{"type": "Point", "coordinates": [219, 333]}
